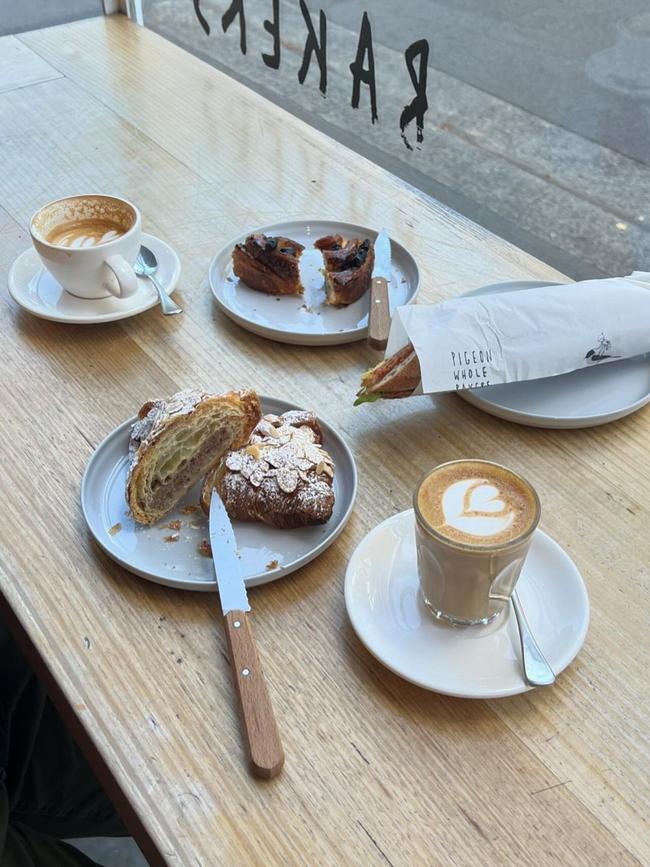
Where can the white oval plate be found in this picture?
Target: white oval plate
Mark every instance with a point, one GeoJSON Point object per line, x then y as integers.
{"type": "Point", "coordinates": [35, 289]}
{"type": "Point", "coordinates": [583, 398]}
{"type": "Point", "coordinates": [306, 319]}
{"type": "Point", "coordinates": [384, 603]}
{"type": "Point", "coordinates": [266, 553]}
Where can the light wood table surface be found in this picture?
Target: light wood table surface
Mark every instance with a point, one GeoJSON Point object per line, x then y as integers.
{"type": "Point", "coordinates": [378, 771]}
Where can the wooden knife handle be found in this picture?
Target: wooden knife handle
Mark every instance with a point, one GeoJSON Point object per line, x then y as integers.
{"type": "Point", "coordinates": [260, 730]}
{"type": "Point", "coordinates": [379, 317]}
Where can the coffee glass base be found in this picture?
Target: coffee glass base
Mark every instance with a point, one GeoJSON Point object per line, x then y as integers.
{"type": "Point", "coordinates": [459, 621]}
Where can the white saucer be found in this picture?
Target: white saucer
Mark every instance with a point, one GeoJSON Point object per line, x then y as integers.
{"type": "Point", "coordinates": [266, 553]}
{"type": "Point", "coordinates": [389, 616]}
{"type": "Point", "coordinates": [34, 288]}
{"type": "Point", "coordinates": [583, 398]}
{"type": "Point", "coordinates": [306, 319]}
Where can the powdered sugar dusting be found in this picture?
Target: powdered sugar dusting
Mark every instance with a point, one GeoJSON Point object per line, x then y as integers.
{"type": "Point", "coordinates": [283, 476]}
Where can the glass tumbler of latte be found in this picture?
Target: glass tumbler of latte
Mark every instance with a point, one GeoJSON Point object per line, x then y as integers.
{"type": "Point", "coordinates": [474, 524]}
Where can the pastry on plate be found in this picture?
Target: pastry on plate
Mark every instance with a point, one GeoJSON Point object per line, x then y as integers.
{"type": "Point", "coordinates": [397, 376]}
{"type": "Point", "coordinates": [282, 477]}
{"type": "Point", "coordinates": [175, 442]}
{"type": "Point", "coordinates": [269, 264]}
{"type": "Point", "coordinates": [348, 268]}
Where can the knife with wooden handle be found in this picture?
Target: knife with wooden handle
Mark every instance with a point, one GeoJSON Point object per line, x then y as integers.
{"type": "Point", "coordinates": [260, 729]}
{"type": "Point", "coordinates": [379, 315]}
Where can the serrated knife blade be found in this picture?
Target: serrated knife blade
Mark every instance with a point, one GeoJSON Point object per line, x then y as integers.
{"type": "Point", "coordinates": [227, 565]}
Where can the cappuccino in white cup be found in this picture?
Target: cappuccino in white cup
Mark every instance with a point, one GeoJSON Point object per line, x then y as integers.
{"type": "Point", "coordinates": [89, 244]}
{"type": "Point", "coordinates": [474, 525]}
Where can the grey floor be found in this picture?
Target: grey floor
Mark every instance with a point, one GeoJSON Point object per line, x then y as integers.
{"type": "Point", "coordinates": [538, 124]}
{"type": "Point", "coordinates": [19, 15]}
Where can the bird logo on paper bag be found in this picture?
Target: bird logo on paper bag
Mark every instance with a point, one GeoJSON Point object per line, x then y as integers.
{"type": "Point", "coordinates": [601, 352]}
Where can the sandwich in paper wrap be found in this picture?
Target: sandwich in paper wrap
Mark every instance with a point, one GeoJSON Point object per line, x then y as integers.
{"type": "Point", "coordinates": [472, 342]}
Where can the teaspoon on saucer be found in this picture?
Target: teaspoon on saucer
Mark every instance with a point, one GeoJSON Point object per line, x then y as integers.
{"type": "Point", "coordinates": [146, 265]}
{"type": "Point", "coordinates": [537, 671]}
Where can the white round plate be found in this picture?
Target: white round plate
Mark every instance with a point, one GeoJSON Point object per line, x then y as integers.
{"type": "Point", "coordinates": [583, 398]}
{"type": "Point", "coordinates": [35, 289]}
{"type": "Point", "coordinates": [266, 553]}
{"type": "Point", "coordinates": [306, 319]}
{"type": "Point", "coordinates": [388, 613]}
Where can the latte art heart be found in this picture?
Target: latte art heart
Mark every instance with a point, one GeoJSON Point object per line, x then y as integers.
{"type": "Point", "coordinates": [474, 506]}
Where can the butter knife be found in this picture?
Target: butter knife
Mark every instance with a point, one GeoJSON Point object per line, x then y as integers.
{"type": "Point", "coordinates": [260, 729]}
{"type": "Point", "coordinates": [379, 315]}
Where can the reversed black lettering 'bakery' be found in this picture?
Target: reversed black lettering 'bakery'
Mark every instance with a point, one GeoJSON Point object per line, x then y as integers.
{"type": "Point", "coordinates": [362, 67]}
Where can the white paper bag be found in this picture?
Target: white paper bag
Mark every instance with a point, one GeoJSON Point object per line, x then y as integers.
{"type": "Point", "coordinates": [532, 333]}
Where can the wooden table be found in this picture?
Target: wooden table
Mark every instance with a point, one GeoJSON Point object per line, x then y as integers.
{"type": "Point", "coordinates": [378, 771]}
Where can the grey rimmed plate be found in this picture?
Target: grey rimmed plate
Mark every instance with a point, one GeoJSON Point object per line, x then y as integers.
{"type": "Point", "coordinates": [584, 398]}
{"type": "Point", "coordinates": [267, 553]}
{"type": "Point", "coordinates": [306, 319]}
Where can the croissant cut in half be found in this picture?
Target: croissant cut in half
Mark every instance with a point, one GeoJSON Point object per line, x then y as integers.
{"type": "Point", "coordinates": [175, 442]}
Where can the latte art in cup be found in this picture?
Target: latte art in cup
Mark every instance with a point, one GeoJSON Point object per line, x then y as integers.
{"type": "Point", "coordinates": [476, 503]}
{"type": "Point", "coordinates": [473, 507]}
{"type": "Point", "coordinates": [474, 524]}
{"type": "Point", "coordinates": [84, 233]}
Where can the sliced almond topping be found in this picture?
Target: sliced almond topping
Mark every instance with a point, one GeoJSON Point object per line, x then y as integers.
{"type": "Point", "coordinates": [298, 449]}
{"type": "Point", "coordinates": [256, 477]}
{"type": "Point", "coordinates": [234, 461]}
{"type": "Point", "coordinates": [287, 480]}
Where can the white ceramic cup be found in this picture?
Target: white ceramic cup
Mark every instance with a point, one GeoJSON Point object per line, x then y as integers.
{"type": "Point", "coordinates": [102, 268]}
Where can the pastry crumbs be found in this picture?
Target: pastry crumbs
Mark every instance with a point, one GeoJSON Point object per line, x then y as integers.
{"type": "Point", "coordinates": [205, 548]}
